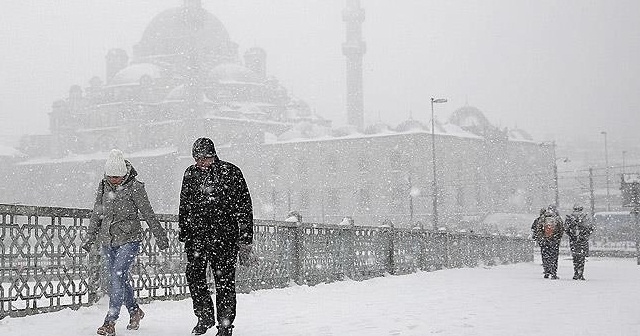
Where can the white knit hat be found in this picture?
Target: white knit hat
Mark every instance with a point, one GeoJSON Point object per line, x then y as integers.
{"type": "Point", "coordinates": [115, 165]}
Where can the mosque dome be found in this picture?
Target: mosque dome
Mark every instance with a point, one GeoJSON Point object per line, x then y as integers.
{"type": "Point", "coordinates": [378, 128]}
{"type": "Point", "coordinates": [234, 73]}
{"type": "Point", "coordinates": [176, 30]}
{"type": "Point", "coordinates": [470, 117]}
{"type": "Point", "coordinates": [135, 72]}
{"type": "Point", "coordinates": [411, 125]}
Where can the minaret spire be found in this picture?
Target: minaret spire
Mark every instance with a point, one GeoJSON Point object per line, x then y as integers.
{"type": "Point", "coordinates": [354, 48]}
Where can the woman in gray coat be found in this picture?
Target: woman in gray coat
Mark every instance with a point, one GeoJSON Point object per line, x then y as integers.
{"type": "Point", "coordinates": [115, 228]}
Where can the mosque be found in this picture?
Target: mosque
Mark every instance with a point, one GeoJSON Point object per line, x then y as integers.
{"type": "Point", "coordinates": [186, 78]}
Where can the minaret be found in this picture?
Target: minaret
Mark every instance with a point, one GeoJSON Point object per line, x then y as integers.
{"type": "Point", "coordinates": [354, 48]}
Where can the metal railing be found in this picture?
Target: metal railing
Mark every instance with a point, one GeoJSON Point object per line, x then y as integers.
{"type": "Point", "coordinates": [43, 268]}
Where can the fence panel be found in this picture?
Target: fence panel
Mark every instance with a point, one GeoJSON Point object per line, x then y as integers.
{"type": "Point", "coordinates": [43, 268]}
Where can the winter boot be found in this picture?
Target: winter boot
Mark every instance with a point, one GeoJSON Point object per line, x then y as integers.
{"type": "Point", "coordinates": [576, 276]}
{"type": "Point", "coordinates": [554, 277]}
{"type": "Point", "coordinates": [108, 329]}
{"type": "Point", "coordinates": [134, 320]}
{"type": "Point", "coordinates": [224, 331]}
{"type": "Point", "coordinates": [581, 275]}
{"type": "Point", "coordinates": [203, 325]}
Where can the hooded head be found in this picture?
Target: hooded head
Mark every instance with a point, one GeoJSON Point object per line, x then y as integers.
{"type": "Point", "coordinates": [115, 165]}
{"type": "Point", "coordinates": [203, 148]}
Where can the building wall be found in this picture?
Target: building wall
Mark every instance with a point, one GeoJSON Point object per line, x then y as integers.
{"type": "Point", "coordinates": [373, 178]}
{"type": "Point", "coordinates": [369, 178]}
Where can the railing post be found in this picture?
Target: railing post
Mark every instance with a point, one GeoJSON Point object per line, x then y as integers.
{"type": "Point", "coordinates": [422, 253]}
{"type": "Point", "coordinates": [349, 259]}
{"type": "Point", "coordinates": [388, 237]}
{"type": "Point", "coordinates": [296, 258]}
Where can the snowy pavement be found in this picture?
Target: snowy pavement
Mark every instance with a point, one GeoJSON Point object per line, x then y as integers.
{"type": "Point", "coordinates": [501, 300]}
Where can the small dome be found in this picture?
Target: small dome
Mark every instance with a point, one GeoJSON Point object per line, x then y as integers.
{"type": "Point", "coordinates": [344, 131]}
{"type": "Point", "coordinates": [469, 116]}
{"type": "Point", "coordinates": [378, 128]}
{"type": "Point", "coordinates": [234, 73]}
{"type": "Point", "coordinates": [411, 125]}
{"type": "Point", "coordinates": [304, 130]}
{"type": "Point", "coordinates": [135, 72]}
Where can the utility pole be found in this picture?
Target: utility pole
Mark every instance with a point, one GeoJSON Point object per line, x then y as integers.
{"type": "Point", "coordinates": [591, 196]}
{"type": "Point", "coordinates": [606, 162]}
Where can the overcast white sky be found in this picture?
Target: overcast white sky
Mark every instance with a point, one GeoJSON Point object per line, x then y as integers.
{"type": "Point", "coordinates": [558, 69]}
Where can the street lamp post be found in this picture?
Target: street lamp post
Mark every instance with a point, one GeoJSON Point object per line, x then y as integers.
{"type": "Point", "coordinates": [555, 175]}
{"type": "Point", "coordinates": [433, 155]}
{"type": "Point", "coordinates": [556, 189]}
{"type": "Point", "coordinates": [624, 165]}
{"type": "Point", "coordinates": [606, 162]}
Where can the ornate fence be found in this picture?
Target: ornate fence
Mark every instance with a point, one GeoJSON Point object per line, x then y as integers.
{"type": "Point", "coordinates": [43, 268]}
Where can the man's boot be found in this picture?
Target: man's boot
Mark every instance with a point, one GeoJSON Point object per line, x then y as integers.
{"type": "Point", "coordinates": [203, 325]}
{"type": "Point", "coordinates": [224, 331]}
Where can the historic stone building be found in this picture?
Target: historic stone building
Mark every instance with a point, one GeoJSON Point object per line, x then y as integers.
{"type": "Point", "coordinates": [186, 79]}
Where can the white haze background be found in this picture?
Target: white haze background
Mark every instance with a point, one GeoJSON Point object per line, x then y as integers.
{"type": "Point", "coordinates": [562, 70]}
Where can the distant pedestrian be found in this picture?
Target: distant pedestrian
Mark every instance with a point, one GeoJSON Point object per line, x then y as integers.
{"type": "Point", "coordinates": [548, 230]}
{"type": "Point", "coordinates": [535, 233]}
{"type": "Point", "coordinates": [578, 227]}
{"type": "Point", "coordinates": [216, 225]}
{"type": "Point", "coordinates": [115, 227]}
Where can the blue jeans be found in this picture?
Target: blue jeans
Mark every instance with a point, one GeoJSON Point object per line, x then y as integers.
{"type": "Point", "coordinates": [118, 260]}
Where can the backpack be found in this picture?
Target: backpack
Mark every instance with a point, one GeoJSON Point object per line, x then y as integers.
{"type": "Point", "coordinates": [549, 227]}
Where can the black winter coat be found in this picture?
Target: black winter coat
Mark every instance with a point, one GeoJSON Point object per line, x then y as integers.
{"type": "Point", "coordinates": [215, 205]}
{"type": "Point", "coordinates": [579, 228]}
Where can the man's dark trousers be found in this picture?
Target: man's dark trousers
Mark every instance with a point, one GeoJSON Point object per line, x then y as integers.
{"type": "Point", "coordinates": [222, 259]}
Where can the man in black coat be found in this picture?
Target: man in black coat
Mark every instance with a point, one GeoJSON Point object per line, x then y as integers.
{"type": "Point", "coordinates": [578, 227]}
{"type": "Point", "coordinates": [216, 225]}
{"type": "Point", "coordinates": [548, 230]}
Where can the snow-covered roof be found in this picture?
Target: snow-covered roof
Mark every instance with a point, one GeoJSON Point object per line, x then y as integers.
{"type": "Point", "coordinates": [100, 156]}
{"type": "Point", "coordinates": [231, 73]}
{"type": "Point", "coordinates": [517, 134]}
{"type": "Point", "coordinates": [6, 151]}
{"type": "Point", "coordinates": [455, 130]}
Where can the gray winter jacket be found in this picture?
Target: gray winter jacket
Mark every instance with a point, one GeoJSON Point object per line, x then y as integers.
{"type": "Point", "coordinates": [116, 213]}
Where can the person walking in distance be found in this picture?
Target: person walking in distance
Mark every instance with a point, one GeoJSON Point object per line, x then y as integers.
{"type": "Point", "coordinates": [549, 229]}
{"type": "Point", "coordinates": [536, 234]}
{"type": "Point", "coordinates": [578, 226]}
{"type": "Point", "coordinates": [115, 227]}
{"type": "Point", "coordinates": [216, 226]}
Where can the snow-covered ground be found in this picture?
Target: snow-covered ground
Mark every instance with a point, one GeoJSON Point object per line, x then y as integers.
{"type": "Point", "coordinates": [501, 300]}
